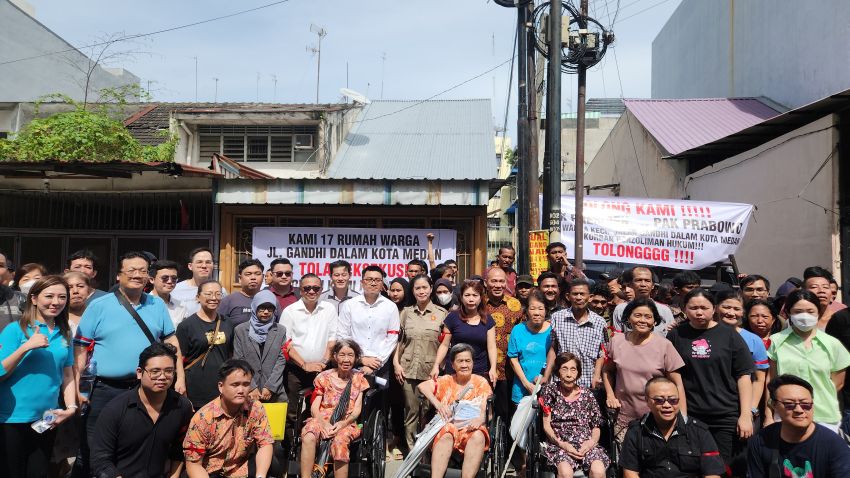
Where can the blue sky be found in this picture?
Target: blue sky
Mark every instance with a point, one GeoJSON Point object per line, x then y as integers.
{"type": "Point", "coordinates": [429, 46]}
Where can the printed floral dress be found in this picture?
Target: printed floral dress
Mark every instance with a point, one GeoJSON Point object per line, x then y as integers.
{"type": "Point", "coordinates": [330, 396]}
{"type": "Point", "coordinates": [572, 421]}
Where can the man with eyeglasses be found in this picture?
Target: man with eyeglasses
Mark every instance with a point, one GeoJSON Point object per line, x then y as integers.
{"type": "Point", "coordinates": [202, 265]}
{"type": "Point", "coordinates": [236, 307]}
{"type": "Point", "coordinates": [110, 335]}
{"type": "Point", "coordinates": [663, 443]}
{"type": "Point", "coordinates": [340, 289]}
{"type": "Point", "coordinates": [372, 321]}
{"type": "Point", "coordinates": [310, 330]}
{"type": "Point", "coordinates": [796, 446]}
{"type": "Point", "coordinates": [140, 432]}
{"type": "Point", "coordinates": [281, 286]}
{"type": "Point", "coordinates": [755, 286]}
{"type": "Point", "coordinates": [164, 279]}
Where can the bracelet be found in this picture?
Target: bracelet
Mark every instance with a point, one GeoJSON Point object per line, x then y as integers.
{"type": "Point", "coordinates": [72, 407]}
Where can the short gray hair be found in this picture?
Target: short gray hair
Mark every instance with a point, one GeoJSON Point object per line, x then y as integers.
{"type": "Point", "coordinates": [460, 348]}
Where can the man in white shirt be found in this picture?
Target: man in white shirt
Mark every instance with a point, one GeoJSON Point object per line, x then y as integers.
{"type": "Point", "coordinates": [186, 292]}
{"type": "Point", "coordinates": [310, 325]}
{"type": "Point", "coordinates": [340, 289]}
{"type": "Point", "coordinates": [164, 277]}
{"type": "Point", "coordinates": [372, 321]}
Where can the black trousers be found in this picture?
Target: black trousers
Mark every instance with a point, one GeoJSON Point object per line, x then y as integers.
{"type": "Point", "coordinates": [23, 452]}
{"type": "Point", "coordinates": [101, 395]}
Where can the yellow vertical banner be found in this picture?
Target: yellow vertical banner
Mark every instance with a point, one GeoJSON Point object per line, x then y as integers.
{"type": "Point", "coordinates": [537, 242]}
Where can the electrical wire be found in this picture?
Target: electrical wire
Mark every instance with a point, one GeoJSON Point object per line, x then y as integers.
{"type": "Point", "coordinates": [510, 90]}
{"type": "Point", "coordinates": [454, 87]}
{"type": "Point", "coordinates": [644, 10]}
{"type": "Point", "coordinates": [142, 35]}
{"type": "Point", "coordinates": [628, 120]}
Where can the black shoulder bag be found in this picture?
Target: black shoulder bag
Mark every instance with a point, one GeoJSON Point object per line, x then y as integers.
{"type": "Point", "coordinates": [141, 323]}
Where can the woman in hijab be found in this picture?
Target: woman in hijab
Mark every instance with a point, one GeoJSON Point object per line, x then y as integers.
{"type": "Point", "coordinates": [259, 342]}
{"type": "Point", "coordinates": [443, 295]}
{"type": "Point", "coordinates": [399, 293]}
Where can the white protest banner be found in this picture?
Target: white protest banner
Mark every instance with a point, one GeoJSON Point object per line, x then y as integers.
{"type": "Point", "coordinates": [659, 232]}
{"type": "Point", "coordinates": [311, 250]}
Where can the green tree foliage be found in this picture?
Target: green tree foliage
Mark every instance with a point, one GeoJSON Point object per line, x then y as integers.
{"type": "Point", "coordinates": [83, 134]}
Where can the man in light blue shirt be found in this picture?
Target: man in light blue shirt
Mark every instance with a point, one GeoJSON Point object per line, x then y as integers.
{"type": "Point", "coordinates": [110, 333]}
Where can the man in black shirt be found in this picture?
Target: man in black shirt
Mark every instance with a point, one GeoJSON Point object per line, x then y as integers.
{"type": "Point", "coordinates": [796, 446]}
{"type": "Point", "coordinates": [141, 429]}
{"type": "Point", "coordinates": [665, 444]}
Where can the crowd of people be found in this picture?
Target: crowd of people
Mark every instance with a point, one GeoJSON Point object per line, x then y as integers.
{"type": "Point", "coordinates": [159, 377]}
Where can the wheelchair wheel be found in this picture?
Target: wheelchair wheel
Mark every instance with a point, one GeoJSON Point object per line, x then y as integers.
{"type": "Point", "coordinates": [374, 442]}
{"type": "Point", "coordinates": [497, 449]}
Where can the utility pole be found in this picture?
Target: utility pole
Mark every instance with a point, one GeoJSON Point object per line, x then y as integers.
{"type": "Point", "coordinates": [274, 89]}
{"type": "Point", "coordinates": [522, 158]}
{"type": "Point", "coordinates": [215, 97]}
{"type": "Point", "coordinates": [580, 127]}
{"type": "Point", "coordinates": [196, 79]}
{"type": "Point", "coordinates": [321, 32]}
{"type": "Point", "coordinates": [383, 65]}
{"type": "Point", "coordinates": [532, 129]}
{"type": "Point", "coordinates": [552, 159]}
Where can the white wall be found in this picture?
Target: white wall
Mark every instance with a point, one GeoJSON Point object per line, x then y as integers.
{"type": "Point", "coordinates": [789, 51]}
{"type": "Point", "coordinates": [21, 36]}
{"type": "Point", "coordinates": [616, 163]}
{"type": "Point", "coordinates": [786, 233]}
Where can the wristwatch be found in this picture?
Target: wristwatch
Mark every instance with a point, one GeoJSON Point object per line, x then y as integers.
{"type": "Point", "coordinates": [755, 411]}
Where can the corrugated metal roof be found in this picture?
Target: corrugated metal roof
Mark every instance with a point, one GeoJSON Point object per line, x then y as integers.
{"type": "Point", "coordinates": [680, 125]}
{"type": "Point", "coordinates": [443, 139]}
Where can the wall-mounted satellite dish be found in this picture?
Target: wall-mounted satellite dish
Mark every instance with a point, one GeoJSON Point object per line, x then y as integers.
{"type": "Point", "coordinates": [355, 96]}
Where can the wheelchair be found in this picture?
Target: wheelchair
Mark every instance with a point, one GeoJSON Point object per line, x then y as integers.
{"type": "Point", "coordinates": [537, 467]}
{"type": "Point", "coordinates": [493, 462]}
{"type": "Point", "coordinates": [367, 451]}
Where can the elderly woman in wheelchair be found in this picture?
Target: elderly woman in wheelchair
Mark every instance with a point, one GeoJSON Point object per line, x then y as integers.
{"type": "Point", "coordinates": [341, 386]}
{"type": "Point", "coordinates": [461, 399]}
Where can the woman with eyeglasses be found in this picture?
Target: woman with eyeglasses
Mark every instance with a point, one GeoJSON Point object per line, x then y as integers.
{"type": "Point", "coordinates": [206, 341]}
{"type": "Point", "coordinates": [716, 375]}
{"type": "Point", "coordinates": [260, 342]}
{"type": "Point", "coordinates": [815, 356]}
{"type": "Point", "coordinates": [571, 422]}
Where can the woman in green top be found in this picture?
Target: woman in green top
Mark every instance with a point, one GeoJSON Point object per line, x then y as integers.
{"type": "Point", "coordinates": [417, 348]}
{"type": "Point", "coordinates": [810, 354]}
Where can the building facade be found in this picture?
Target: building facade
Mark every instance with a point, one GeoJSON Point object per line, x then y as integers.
{"type": "Point", "coordinates": [735, 48]}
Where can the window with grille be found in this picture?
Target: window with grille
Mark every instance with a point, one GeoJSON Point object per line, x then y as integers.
{"type": "Point", "coordinates": [259, 143]}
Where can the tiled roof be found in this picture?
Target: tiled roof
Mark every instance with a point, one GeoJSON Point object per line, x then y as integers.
{"type": "Point", "coordinates": [680, 125]}
{"type": "Point", "coordinates": [433, 140]}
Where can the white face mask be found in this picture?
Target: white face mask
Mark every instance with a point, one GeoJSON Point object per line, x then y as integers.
{"type": "Point", "coordinates": [804, 322]}
{"type": "Point", "coordinates": [26, 286]}
{"type": "Point", "coordinates": [444, 299]}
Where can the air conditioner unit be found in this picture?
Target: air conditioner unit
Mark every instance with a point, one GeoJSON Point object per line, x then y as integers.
{"type": "Point", "coordinates": [303, 141]}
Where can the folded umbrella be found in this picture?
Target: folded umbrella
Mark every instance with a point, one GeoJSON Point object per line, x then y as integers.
{"type": "Point", "coordinates": [425, 438]}
{"type": "Point", "coordinates": [523, 418]}
{"type": "Point", "coordinates": [320, 468]}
